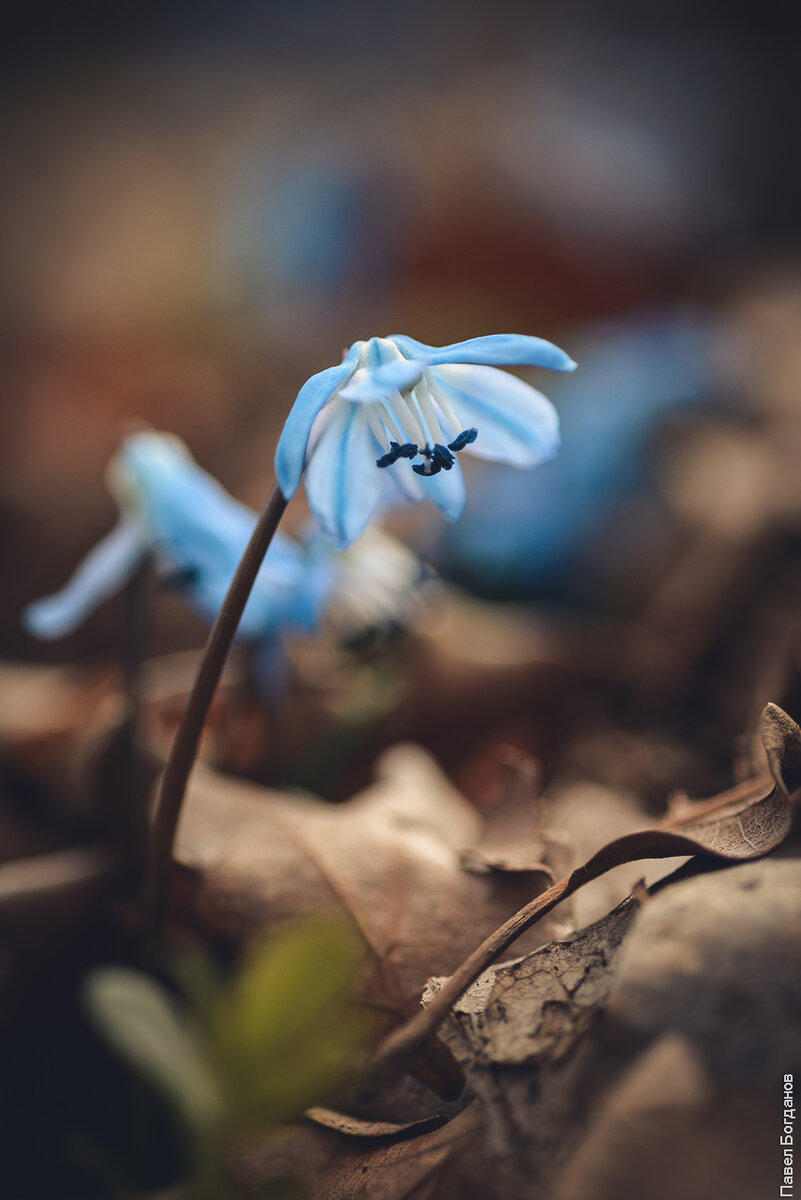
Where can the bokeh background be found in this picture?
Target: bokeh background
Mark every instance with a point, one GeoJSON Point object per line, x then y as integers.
{"type": "Point", "coordinates": [203, 203]}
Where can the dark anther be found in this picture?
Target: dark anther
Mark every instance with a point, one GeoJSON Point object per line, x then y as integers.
{"type": "Point", "coordinates": [442, 458]}
{"type": "Point", "coordinates": [439, 459]}
{"type": "Point", "coordinates": [396, 451]}
{"type": "Point", "coordinates": [179, 578]}
{"type": "Point", "coordinates": [465, 438]}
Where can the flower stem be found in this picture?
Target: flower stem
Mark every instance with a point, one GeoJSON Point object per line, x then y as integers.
{"type": "Point", "coordinates": [131, 816]}
{"type": "Point", "coordinates": [185, 745]}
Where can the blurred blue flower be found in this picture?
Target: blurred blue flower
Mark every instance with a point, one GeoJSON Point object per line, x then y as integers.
{"type": "Point", "coordinates": [529, 533]}
{"type": "Point", "coordinates": [196, 532]}
{"type": "Point", "coordinates": [397, 408]}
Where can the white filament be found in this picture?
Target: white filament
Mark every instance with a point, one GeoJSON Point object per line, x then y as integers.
{"type": "Point", "coordinates": [429, 415]}
{"type": "Point", "coordinates": [444, 407]}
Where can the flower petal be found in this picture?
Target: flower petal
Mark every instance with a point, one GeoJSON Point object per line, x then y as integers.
{"type": "Point", "coordinates": [297, 605]}
{"type": "Point", "coordinates": [290, 455]}
{"type": "Point", "coordinates": [106, 568]}
{"type": "Point", "coordinates": [516, 424]}
{"type": "Point", "coordinates": [403, 485]}
{"type": "Point", "coordinates": [446, 490]}
{"type": "Point", "coordinates": [342, 480]}
{"type": "Point", "coordinates": [271, 668]}
{"type": "Point", "coordinates": [499, 349]}
{"type": "Point", "coordinates": [199, 532]}
{"type": "Point", "coordinates": [392, 377]}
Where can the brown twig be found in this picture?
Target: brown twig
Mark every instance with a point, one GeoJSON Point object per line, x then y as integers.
{"type": "Point", "coordinates": [662, 841]}
{"type": "Point", "coordinates": [403, 1043]}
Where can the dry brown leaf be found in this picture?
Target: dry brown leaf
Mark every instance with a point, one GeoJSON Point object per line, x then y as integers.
{"type": "Point", "coordinates": [390, 857]}
{"type": "Point", "coordinates": [514, 837]}
{"type": "Point", "coordinates": [782, 742]}
{"type": "Point", "coordinates": [585, 814]}
{"type": "Point", "coordinates": [44, 715]}
{"type": "Point", "coordinates": [42, 702]}
{"type": "Point", "coordinates": [430, 1165]}
{"type": "Point", "coordinates": [358, 1127]}
{"type": "Point", "coordinates": [325, 1165]}
{"type": "Point", "coordinates": [694, 996]}
{"type": "Point", "coordinates": [46, 903]}
{"type": "Point", "coordinates": [526, 1020]}
{"type": "Point", "coordinates": [726, 828]}
{"type": "Point", "coordinates": [664, 1122]}
{"type": "Point", "coordinates": [713, 961]}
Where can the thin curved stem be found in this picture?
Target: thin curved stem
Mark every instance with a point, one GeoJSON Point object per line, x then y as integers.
{"type": "Point", "coordinates": [187, 739]}
{"type": "Point", "coordinates": [402, 1044]}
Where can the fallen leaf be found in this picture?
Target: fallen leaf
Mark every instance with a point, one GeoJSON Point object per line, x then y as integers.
{"type": "Point", "coordinates": [39, 702]}
{"type": "Point", "coordinates": [594, 1056]}
{"type": "Point", "coordinates": [730, 828]}
{"type": "Point", "coordinates": [781, 738]}
{"type": "Point", "coordinates": [411, 1170]}
{"type": "Point", "coordinates": [585, 814]}
{"type": "Point", "coordinates": [522, 1021]}
{"type": "Point", "coordinates": [358, 1127]}
{"type": "Point", "coordinates": [514, 837]}
{"type": "Point", "coordinates": [46, 904]}
{"type": "Point", "coordinates": [390, 857]}
{"type": "Point", "coordinates": [700, 1024]}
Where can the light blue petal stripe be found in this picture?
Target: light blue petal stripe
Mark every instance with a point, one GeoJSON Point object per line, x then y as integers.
{"type": "Point", "coordinates": [198, 530]}
{"type": "Point", "coordinates": [446, 490]}
{"type": "Point", "coordinates": [290, 455]}
{"type": "Point", "coordinates": [402, 485]}
{"type": "Point", "coordinates": [392, 377]}
{"type": "Point", "coordinates": [106, 568]}
{"type": "Point", "coordinates": [494, 350]}
{"type": "Point", "coordinates": [516, 423]}
{"type": "Point", "coordinates": [342, 480]}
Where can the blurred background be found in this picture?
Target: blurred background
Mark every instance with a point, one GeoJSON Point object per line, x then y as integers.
{"type": "Point", "coordinates": [202, 204]}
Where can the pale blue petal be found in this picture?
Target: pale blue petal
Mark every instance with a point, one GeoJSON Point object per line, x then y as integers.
{"type": "Point", "coordinates": [290, 454]}
{"type": "Point", "coordinates": [271, 669]}
{"type": "Point", "coordinates": [342, 480]}
{"type": "Point", "coordinates": [299, 607]}
{"type": "Point", "coordinates": [106, 569]}
{"type": "Point", "coordinates": [402, 486]}
{"type": "Point", "coordinates": [276, 602]}
{"type": "Point", "coordinates": [194, 524]}
{"type": "Point", "coordinates": [499, 350]}
{"type": "Point", "coordinates": [392, 377]}
{"type": "Point", "coordinates": [516, 424]}
{"type": "Point", "coordinates": [199, 533]}
{"type": "Point", "coordinates": [192, 520]}
{"type": "Point", "coordinates": [446, 490]}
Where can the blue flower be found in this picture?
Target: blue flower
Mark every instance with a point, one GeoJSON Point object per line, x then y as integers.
{"type": "Point", "coordinates": [196, 532]}
{"type": "Point", "coordinates": [397, 408]}
{"type": "Point", "coordinates": [377, 584]}
{"type": "Point", "coordinates": [524, 534]}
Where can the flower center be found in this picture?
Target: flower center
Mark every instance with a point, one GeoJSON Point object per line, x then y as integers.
{"type": "Point", "coordinates": [407, 425]}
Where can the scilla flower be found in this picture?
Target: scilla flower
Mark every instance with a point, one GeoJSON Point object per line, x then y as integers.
{"type": "Point", "coordinates": [196, 532]}
{"type": "Point", "coordinates": [377, 584]}
{"type": "Point", "coordinates": [397, 408]}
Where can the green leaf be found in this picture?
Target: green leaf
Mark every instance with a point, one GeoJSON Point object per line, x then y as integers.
{"type": "Point", "coordinates": [137, 1017]}
{"type": "Point", "coordinates": [286, 1028]}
